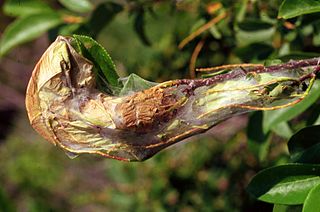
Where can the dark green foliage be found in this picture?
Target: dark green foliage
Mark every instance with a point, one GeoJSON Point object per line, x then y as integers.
{"type": "Point", "coordinates": [258, 141]}
{"type": "Point", "coordinates": [101, 17]}
{"type": "Point", "coordinates": [286, 184]}
{"type": "Point", "coordinates": [139, 26]}
{"type": "Point", "coordinates": [304, 146]}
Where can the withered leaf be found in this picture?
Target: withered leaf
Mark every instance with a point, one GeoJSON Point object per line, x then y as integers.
{"type": "Point", "coordinates": [67, 109]}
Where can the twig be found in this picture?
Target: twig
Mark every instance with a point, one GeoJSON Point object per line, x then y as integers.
{"type": "Point", "coordinates": [292, 65]}
{"type": "Point", "coordinates": [202, 29]}
{"type": "Point", "coordinates": [218, 68]}
{"type": "Point", "coordinates": [70, 19]}
{"type": "Point", "coordinates": [194, 57]}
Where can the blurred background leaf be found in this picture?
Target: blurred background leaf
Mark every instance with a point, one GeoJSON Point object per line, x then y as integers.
{"type": "Point", "coordinates": [293, 8]}
{"type": "Point", "coordinates": [258, 141]}
{"type": "Point", "coordinates": [14, 8]}
{"type": "Point", "coordinates": [139, 26]}
{"type": "Point", "coordinates": [80, 6]}
{"type": "Point", "coordinates": [102, 15]}
{"type": "Point", "coordinates": [27, 28]}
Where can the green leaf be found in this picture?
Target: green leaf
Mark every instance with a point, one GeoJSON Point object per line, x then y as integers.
{"type": "Point", "coordinates": [286, 184]}
{"type": "Point", "coordinates": [287, 208]}
{"type": "Point", "coordinates": [298, 56]}
{"type": "Point", "coordinates": [215, 32]}
{"type": "Point", "coordinates": [258, 141]}
{"type": "Point", "coordinates": [272, 62]}
{"type": "Point", "coordinates": [261, 51]}
{"type": "Point", "coordinates": [272, 118]}
{"type": "Point", "coordinates": [139, 26]}
{"type": "Point", "coordinates": [134, 83]}
{"type": "Point", "coordinates": [26, 29]}
{"type": "Point", "coordinates": [317, 121]}
{"type": "Point", "coordinates": [254, 31]}
{"type": "Point", "coordinates": [293, 8]}
{"type": "Point", "coordinates": [102, 61]}
{"type": "Point", "coordinates": [25, 7]}
{"type": "Point", "coordinates": [245, 38]}
{"type": "Point", "coordinates": [311, 203]}
{"type": "Point", "coordinates": [304, 146]}
{"type": "Point", "coordinates": [100, 17]}
{"type": "Point", "coordinates": [283, 129]}
{"type": "Point", "coordinates": [254, 25]}
{"type": "Point", "coordinates": [80, 6]}
{"type": "Point", "coordinates": [316, 33]}
{"type": "Point", "coordinates": [68, 29]}
{"type": "Point", "coordinates": [241, 10]}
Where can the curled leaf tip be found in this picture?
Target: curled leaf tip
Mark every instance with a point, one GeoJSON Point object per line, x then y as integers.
{"type": "Point", "coordinates": [66, 108]}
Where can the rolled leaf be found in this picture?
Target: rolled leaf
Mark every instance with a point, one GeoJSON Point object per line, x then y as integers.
{"type": "Point", "coordinates": [67, 109]}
